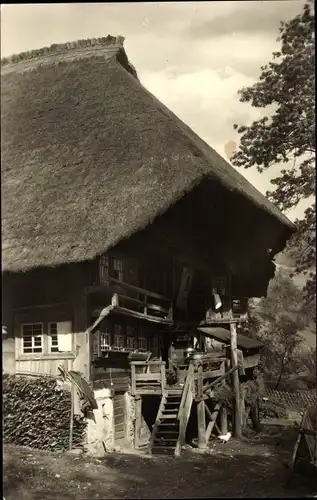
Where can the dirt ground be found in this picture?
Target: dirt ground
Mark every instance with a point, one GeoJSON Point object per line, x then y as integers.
{"type": "Point", "coordinates": [254, 467]}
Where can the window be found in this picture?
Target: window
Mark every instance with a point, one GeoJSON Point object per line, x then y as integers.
{"type": "Point", "coordinates": [60, 337]}
{"type": "Point", "coordinates": [46, 338]}
{"type": "Point", "coordinates": [105, 341]}
{"type": "Point", "coordinates": [103, 269]}
{"type": "Point", "coordinates": [118, 269]}
{"type": "Point", "coordinates": [119, 337]}
{"type": "Point", "coordinates": [32, 338]}
{"type": "Point", "coordinates": [142, 342]}
{"type": "Point", "coordinates": [132, 343]}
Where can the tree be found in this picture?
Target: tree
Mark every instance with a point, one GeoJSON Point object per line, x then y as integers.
{"type": "Point", "coordinates": [286, 87]}
{"type": "Point", "coordinates": [277, 321]}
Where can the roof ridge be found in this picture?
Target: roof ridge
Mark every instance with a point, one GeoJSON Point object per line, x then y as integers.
{"type": "Point", "coordinates": [59, 48]}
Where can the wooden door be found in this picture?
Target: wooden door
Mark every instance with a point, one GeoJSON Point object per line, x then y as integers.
{"type": "Point", "coordinates": [119, 419]}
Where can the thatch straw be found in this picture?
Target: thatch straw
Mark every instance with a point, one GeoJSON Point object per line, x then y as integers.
{"type": "Point", "coordinates": [89, 156]}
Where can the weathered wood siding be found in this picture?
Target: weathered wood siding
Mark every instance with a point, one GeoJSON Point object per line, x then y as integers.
{"type": "Point", "coordinates": [79, 274]}
{"type": "Point", "coordinates": [8, 341]}
{"type": "Point", "coordinates": [45, 295]}
{"type": "Point", "coordinates": [42, 366]}
{"type": "Point", "coordinates": [119, 415]}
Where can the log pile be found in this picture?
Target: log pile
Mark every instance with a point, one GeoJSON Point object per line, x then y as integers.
{"type": "Point", "coordinates": [35, 414]}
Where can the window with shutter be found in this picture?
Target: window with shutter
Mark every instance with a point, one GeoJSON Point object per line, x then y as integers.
{"type": "Point", "coordinates": [60, 336]}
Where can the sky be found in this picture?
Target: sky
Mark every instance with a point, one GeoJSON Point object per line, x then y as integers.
{"type": "Point", "coordinates": [193, 56]}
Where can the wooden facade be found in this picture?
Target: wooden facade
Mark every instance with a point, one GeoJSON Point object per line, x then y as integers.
{"type": "Point", "coordinates": [98, 318]}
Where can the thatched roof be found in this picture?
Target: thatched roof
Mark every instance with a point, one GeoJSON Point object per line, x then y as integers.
{"type": "Point", "coordinates": [89, 156]}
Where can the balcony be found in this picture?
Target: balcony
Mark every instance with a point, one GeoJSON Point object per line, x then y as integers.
{"type": "Point", "coordinates": [133, 301]}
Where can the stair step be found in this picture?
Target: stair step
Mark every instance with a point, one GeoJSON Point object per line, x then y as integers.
{"type": "Point", "coordinates": [171, 409]}
{"type": "Point", "coordinates": [166, 434]}
{"type": "Point", "coordinates": [164, 416]}
{"type": "Point", "coordinates": [163, 450]}
{"type": "Point", "coordinates": [164, 439]}
{"type": "Point", "coordinates": [167, 443]}
{"type": "Point", "coordinates": [175, 425]}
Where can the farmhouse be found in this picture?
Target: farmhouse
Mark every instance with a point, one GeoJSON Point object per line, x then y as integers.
{"type": "Point", "coordinates": [127, 243]}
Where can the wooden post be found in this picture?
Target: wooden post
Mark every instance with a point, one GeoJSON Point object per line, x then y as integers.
{"type": "Point", "coordinates": [212, 423]}
{"type": "Point", "coordinates": [163, 377]}
{"type": "Point", "coordinates": [201, 418]}
{"type": "Point", "coordinates": [138, 421]}
{"type": "Point", "coordinates": [223, 409]}
{"type": "Point", "coordinates": [242, 410]}
{"type": "Point", "coordinates": [235, 380]}
{"type": "Point", "coordinates": [223, 419]}
{"type": "Point", "coordinates": [71, 426]}
{"type": "Point", "coordinates": [133, 383]}
{"type": "Point", "coordinates": [200, 383]}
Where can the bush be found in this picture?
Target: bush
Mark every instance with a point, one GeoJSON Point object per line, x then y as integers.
{"type": "Point", "coordinates": [36, 415]}
{"type": "Point", "coordinates": [272, 409]}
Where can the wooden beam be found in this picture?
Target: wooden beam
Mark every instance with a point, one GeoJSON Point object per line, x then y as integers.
{"type": "Point", "coordinates": [200, 382]}
{"type": "Point", "coordinates": [201, 420]}
{"type": "Point", "coordinates": [218, 380]}
{"type": "Point", "coordinates": [235, 380]}
{"type": "Point", "coordinates": [240, 362]}
{"type": "Point", "coordinates": [133, 381]}
{"type": "Point", "coordinates": [163, 377]}
{"type": "Point", "coordinates": [211, 423]}
{"type": "Point", "coordinates": [223, 420]}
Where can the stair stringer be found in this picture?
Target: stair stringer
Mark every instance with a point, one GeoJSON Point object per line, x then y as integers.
{"type": "Point", "coordinates": [185, 410]}
{"type": "Point", "coordinates": [157, 421]}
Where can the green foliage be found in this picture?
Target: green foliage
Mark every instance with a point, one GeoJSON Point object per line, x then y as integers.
{"type": "Point", "coordinates": [36, 415]}
{"type": "Point", "coordinates": [286, 135]}
{"type": "Point", "coordinates": [277, 321]}
{"type": "Point", "coordinates": [272, 409]}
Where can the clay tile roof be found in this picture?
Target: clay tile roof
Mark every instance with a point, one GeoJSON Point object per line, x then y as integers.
{"type": "Point", "coordinates": [300, 400]}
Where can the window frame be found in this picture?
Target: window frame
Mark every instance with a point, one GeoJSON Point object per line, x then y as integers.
{"type": "Point", "coordinates": [46, 353]}
{"type": "Point", "coordinates": [32, 323]}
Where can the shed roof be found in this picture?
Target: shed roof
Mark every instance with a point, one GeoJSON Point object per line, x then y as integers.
{"type": "Point", "coordinates": [90, 157]}
{"type": "Point", "coordinates": [223, 335]}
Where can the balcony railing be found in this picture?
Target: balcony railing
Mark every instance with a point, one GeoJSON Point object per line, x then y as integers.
{"type": "Point", "coordinates": [148, 377]}
{"type": "Point", "coordinates": [137, 300]}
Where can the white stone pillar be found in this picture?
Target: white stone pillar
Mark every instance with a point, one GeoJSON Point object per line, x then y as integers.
{"type": "Point", "coordinates": [100, 426]}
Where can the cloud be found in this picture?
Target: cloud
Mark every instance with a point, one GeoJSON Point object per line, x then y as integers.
{"type": "Point", "coordinates": [246, 18]}
{"type": "Point", "coordinates": [206, 100]}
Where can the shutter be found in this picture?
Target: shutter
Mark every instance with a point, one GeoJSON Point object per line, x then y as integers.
{"type": "Point", "coordinates": [65, 337]}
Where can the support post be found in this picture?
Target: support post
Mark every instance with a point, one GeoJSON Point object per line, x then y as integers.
{"type": "Point", "coordinates": [200, 383]}
{"type": "Point", "coordinates": [223, 419]}
{"type": "Point", "coordinates": [71, 425]}
{"type": "Point", "coordinates": [138, 421]}
{"type": "Point", "coordinates": [133, 381]}
{"type": "Point", "coordinates": [163, 377]}
{"type": "Point", "coordinates": [201, 417]}
{"type": "Point", "coordinates": [242, 410]}
{"type": "Point", "coordinates": [235, 380]}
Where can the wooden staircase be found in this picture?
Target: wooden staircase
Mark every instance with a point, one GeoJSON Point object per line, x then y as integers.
{"type": "Point", "coordinates": [168, 433]}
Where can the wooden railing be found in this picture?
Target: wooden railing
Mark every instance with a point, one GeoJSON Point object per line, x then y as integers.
{"type": "Point", "coordinates": [137, 299]}
{"type": "Point", "coordinates": [148, 377]}
{"type": "Point", "coordinates": [185, 408]}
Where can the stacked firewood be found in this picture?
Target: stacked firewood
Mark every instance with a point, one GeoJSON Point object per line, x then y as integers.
{"type": "Point", "coordinates": [36, 413]}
